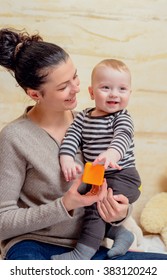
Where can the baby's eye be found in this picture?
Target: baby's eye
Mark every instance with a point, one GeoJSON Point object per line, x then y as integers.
{"type": "Point", "coordinates": [123, 88]}
{"type": "Point", "coordinates": [105, 87]}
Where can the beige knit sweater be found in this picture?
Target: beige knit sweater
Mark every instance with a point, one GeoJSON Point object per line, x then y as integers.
{"type": "Point", "coordinates": [31, 187]}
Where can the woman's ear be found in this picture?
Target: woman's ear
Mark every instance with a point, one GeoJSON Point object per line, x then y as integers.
{"type": "Point", "coordinates": [33, 94]}
{"type": "Point", "coordinates": [90, 89]}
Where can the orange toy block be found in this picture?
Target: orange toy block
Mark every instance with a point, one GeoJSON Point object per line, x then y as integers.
{"type": "Point", "coordinates": [93, 174]}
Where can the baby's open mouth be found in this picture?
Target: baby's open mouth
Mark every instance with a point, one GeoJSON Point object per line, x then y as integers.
{"type": "Point", "coordinates": [112, 102]}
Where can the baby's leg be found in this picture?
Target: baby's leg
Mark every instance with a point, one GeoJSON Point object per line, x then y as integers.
{"type": "Point", "coordinates": [81, 252]}
{"type": "Point", "coordinates": [90, 238]}
{"type": "Point", "coordinates": [122, 238]}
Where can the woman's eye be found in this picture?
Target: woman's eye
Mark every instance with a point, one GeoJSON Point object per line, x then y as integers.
{"type": "Point", "coordinates": [63, 88]}
{"type": "Point", "coordinates": [75, 77]}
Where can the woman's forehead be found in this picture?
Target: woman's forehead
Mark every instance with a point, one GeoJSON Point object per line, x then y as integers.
{"type": "Point", "coordinates": [61, 73]}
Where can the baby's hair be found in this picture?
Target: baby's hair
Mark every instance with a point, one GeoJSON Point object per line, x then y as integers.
{"type": "Point", "coordinates": [28, 57]}
{"type": "Point", "coordinates": [112, 63]}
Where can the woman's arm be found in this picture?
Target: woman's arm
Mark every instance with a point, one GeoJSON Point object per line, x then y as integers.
{"type": "Point", "coordinates": [15, 218]}
{"type": "Point", "coordinates": [31, 208]}
{"type": "Point", "coordinates": [22, 213]}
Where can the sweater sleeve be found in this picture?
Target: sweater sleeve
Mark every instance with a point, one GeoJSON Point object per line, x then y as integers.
{"type": "Point", "coordinates": [15, 219]}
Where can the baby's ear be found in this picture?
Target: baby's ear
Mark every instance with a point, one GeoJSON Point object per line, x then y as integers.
{"type": "Point", "coordinates": [90, 89]}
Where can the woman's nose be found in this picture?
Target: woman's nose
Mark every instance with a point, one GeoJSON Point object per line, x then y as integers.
{"type": "Point", "coordinates": [75, 86]}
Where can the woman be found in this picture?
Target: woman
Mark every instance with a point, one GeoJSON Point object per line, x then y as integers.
{"type": "Point", "coordinates": [41, 214]}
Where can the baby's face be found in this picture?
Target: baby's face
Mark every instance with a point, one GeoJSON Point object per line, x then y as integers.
{"type": "Point", "coordinates": [110, 89]}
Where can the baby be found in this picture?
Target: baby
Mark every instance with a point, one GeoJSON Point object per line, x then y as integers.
{"type": "Point", "coordinates": [105, 134]}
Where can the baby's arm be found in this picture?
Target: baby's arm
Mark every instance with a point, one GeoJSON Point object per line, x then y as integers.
{"type": "Point", "coordinates": [123, 134]}
{"type": "Point", "coordinates": [69, 167]}
{"type": "Point", "coordinates": [69, 147]}
{"type": "Point", "coordinates": [109, 158]}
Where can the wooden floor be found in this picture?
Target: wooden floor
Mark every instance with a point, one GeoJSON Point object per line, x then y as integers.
{"type": "Point", "coordinates": [133, 31]}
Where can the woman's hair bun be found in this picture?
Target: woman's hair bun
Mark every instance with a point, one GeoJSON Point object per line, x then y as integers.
{"type": "Point", "coordinates": [11, 43]}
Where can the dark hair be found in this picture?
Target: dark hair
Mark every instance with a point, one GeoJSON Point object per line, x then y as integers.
{"type": "Point", "coordinates": [29, 58]}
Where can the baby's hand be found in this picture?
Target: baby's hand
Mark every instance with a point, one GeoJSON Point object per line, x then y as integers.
{"type": "Point", "coordinates": [108, 158]}
{"type": "Point", "coordinates": [69, 167]}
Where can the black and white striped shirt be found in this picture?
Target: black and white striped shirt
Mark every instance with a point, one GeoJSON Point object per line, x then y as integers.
{"type": "Point", "coordinates": [95, 135]}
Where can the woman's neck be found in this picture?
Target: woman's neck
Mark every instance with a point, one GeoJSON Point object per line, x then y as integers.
{"type": "Point", "coordinates": [55, 123]}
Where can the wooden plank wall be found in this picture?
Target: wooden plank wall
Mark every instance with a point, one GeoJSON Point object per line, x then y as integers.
{"type": "Point", "coordinates": [91, 30]}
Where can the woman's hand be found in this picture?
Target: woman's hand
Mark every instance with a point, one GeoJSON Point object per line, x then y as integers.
{"type": "Point", "coordinates": [72, 199]}
{"type": "Point", "coordinates": [113, 207]}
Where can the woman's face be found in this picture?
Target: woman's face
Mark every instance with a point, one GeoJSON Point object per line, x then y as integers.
{"type": "Point", "coordinates": [59, 92]}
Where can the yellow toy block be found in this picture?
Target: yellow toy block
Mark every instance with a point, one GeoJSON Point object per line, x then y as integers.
{"type": "Point", "coordinates": [93, 174]}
